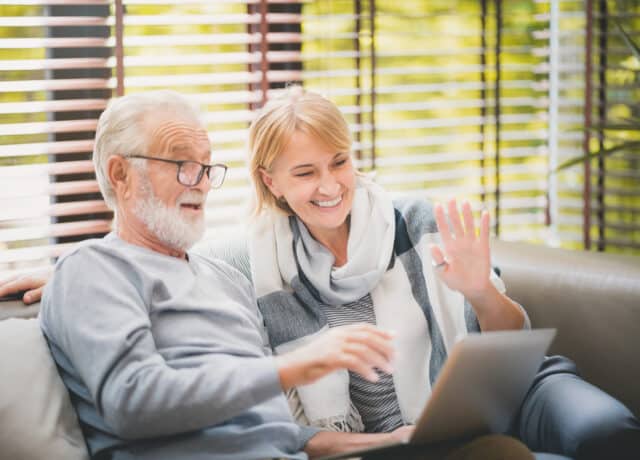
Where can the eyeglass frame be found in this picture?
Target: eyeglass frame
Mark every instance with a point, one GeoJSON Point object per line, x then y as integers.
{"type": "Point", "coordinates": [203, 167]}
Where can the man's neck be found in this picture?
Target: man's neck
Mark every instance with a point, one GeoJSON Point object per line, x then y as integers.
{"type": "Point", "coordinates": [139, 235]}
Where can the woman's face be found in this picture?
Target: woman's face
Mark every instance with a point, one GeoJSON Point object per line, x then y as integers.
{"type": "Point", "coordinates": [317, 183]}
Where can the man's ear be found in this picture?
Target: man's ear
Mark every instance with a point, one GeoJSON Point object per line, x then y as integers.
{"type": "Point", "coordinates": [267, 180]}
{"type": "Point", "coordinates": [119, 175]}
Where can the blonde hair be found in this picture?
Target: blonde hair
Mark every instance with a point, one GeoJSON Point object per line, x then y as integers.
{"type": "Point", "coordinates": [269, 134]}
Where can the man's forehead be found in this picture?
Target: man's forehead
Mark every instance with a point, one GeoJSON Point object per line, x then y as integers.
{"type": "Point", "coordinates": [177, 138]}
{"type": "Point", "coordinates": [187, 147]}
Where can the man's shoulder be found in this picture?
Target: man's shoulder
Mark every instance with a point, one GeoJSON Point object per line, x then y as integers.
{"type": "Point", "coordinates": [89, 253]}
{"type": "Point", "coordinates": [83, 249]}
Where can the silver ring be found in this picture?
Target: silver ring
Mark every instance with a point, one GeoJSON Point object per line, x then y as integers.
{"type": "Point", "coordinates": [440, 265]}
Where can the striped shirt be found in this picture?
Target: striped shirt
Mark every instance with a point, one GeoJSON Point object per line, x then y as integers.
{"type": "Point", "coordinates": [377, 402]}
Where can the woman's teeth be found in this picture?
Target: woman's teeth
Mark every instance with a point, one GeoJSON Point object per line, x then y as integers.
{"type": "Point", "coordinates": [328, 204]}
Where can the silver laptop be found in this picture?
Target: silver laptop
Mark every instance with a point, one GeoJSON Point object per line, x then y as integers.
{"type": "Point", "coordinates": [480, 388]}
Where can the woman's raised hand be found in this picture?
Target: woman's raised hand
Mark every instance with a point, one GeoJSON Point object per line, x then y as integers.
{"type": "Point", "coordinates": [464, 261]}
{"type": "Point", "coordinates": [360, 348]}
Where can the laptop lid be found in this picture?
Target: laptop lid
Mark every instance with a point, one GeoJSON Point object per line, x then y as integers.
{"type": "Point", "coordinates": [482, 384]}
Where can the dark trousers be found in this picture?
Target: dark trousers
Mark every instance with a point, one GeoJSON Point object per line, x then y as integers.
{"type": "Point", "coordinates": [564, 414]}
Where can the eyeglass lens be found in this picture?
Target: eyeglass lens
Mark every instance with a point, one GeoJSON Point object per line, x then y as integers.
{"type": "Point", "coordinates": [190, 173]}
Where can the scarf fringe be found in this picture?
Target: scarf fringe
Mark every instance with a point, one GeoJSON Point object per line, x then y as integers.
{"type": "Point", "coordinates": [352, 423]}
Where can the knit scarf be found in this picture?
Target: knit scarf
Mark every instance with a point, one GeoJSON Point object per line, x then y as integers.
{"type": "Point", "coordinates": [389, 259]}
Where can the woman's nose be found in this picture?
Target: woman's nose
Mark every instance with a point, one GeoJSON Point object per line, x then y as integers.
{"type": "Point", "coordinates": [328, 184]}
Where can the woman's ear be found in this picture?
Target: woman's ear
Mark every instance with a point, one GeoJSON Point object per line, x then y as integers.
{"type": "Point", "coordinates": [119, 175]}
{"type": "Point", "coordinates": [267, 179]}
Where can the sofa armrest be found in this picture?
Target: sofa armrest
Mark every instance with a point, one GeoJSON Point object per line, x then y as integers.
{"type": "Point", "coordinates": [36, 415]}
{"type": "Point", "coordinates": [593, 299]}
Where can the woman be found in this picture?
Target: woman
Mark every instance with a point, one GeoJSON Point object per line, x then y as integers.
{"type": "Point", "coordinates": [329, 247]}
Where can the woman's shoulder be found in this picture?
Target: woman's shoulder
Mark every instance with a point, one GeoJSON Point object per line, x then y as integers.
{"type": "Point", "coordinates": [415, 214]}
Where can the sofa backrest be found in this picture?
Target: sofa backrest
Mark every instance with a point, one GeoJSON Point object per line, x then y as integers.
{"type": "Point", "coordinates": [593, 299]}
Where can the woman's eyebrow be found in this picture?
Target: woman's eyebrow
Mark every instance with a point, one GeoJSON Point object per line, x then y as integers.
{"type": "Point", "coordinates": [306, 165]}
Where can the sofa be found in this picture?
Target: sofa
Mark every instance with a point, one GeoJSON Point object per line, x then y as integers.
{"type": "Point", "coordinates": [592, 299]}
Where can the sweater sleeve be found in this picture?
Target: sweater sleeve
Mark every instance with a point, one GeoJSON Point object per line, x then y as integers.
{"type": "Point", "coordinates": [93, 311]}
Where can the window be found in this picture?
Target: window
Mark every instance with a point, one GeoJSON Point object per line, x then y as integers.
{"type": "Point", "coordinates": [479, 99]}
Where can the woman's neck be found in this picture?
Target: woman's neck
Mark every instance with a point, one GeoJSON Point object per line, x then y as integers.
{"type": "Point", "coordinates": [335, 241]}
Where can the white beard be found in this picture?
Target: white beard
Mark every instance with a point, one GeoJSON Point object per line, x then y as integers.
{"type": "Point", "coordinates": [169, 225]}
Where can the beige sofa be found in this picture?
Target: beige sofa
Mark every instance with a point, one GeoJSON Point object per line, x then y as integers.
{"type": "Point", "coordinates": [592, 299]}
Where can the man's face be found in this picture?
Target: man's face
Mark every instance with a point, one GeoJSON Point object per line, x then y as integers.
{"type": "Point", "coordinates": [173, 212]}
{"type": "Point", "coordinates": [176, 139]}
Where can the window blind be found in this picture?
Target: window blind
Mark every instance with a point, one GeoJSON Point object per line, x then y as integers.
{"type": "Point", "coordinates": [55, 80]}
{"type": "Point", "coordinates": [597, 202]}
{"type": "Point", "coordinates": [477, 99]}
{"type": "Point", "coordinates": [62, 60]}
{"type": "Point", "coordinates": [445, 99]}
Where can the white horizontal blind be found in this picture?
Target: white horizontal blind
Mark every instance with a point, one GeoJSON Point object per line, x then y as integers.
{"type": "Point", "coordinates": [214, 53]}
{"type": "Point", "coordinates": [55, 79]}
{"type": "Point", "coordinates": [614, 221]}
{"type": "Point", "coordinates": [59, 68]}
{"type": "Point", "coordinates": [431, 94]}
{"type": "Point", "coordinates": [559, 39]}
{"type": "Point", "coordinates": [444, 99]}
{"type": "Point", "coordinates": [598, 207]}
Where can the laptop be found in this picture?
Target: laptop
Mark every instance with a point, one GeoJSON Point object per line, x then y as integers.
{"type": "Point", "coordinates": [480, 387]}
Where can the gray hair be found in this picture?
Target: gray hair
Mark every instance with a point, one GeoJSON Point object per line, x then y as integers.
{"type": "Point", "coordinates": [121, 131]}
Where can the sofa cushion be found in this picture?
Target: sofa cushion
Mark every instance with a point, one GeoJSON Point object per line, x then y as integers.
{"type": "Point", "coordinates": [36, 415]}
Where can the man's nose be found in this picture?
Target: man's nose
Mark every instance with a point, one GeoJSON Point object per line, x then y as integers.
{"type": "Point", "coordinates": [204, 185]}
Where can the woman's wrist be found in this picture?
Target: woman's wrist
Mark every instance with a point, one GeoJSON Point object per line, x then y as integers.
{"type": "Point", "coordinates": [482, 297]}
{"type": "Point", "coordinates": [496, 311]}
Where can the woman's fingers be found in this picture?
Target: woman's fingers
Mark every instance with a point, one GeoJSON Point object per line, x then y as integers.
{"type": "Point", "coordinates": [30, 287]}
{"type": "Point", "coordinates": [14, 286]}
{"type": "Point", "coordinates": [485, 221]}
{"type": "Point", "coordinates": [33, 295]}
{"type": "Point", "coordinates": [469, 221]}
{"type": "Point", "coordinates": [443, 225]}
{"type": "Point", "coordinates": [454, 218]}
{"type": "Point", "coordinates": [437, 258]}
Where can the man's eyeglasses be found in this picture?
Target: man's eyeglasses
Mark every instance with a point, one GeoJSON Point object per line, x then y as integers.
{"type": "Point", "coordinates": [190, 172]}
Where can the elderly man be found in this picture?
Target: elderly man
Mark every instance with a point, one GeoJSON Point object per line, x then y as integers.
{"type": "Point", "coordinates": [162, 350]}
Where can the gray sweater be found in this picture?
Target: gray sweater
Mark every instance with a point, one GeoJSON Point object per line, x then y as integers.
{"type": "Point", "coordinates": [165, 358]}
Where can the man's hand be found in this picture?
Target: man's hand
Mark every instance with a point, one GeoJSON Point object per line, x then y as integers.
{"type": "Point", "coordinates": [360, 348]}
{"type": "Point", "coordinates": [331, 443]}
{"type": "Point", "coordinates": [30, 286]}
